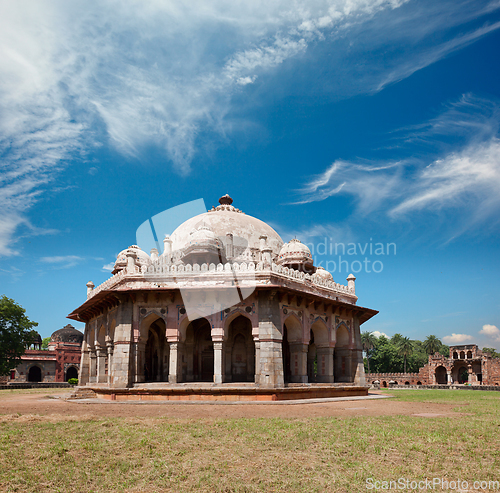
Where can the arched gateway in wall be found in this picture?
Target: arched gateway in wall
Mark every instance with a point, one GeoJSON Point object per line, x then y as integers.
{"type": "Point", "coordinates": [227, 310]}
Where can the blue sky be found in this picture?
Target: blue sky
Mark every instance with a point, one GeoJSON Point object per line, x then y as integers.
{"type": "Point", "coordinates": [350, 121]}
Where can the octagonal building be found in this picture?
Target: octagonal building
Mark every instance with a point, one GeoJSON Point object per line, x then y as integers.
{"type": "Point", "coordinates": [227, 311]}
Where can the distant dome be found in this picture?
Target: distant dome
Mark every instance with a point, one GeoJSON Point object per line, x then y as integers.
{"type": "Point", "coordinates": [203, 247]}
{"type": "Point", "coordinates": [295, 253]}
{"type": "Point", "coordinates": [67, 334]}
{"type": "Point", "coordinates": [121, 259]}
{"type": "Point", "coordinates": [324, 274]}
{"type": "Point", "coordinates": [225, 220]}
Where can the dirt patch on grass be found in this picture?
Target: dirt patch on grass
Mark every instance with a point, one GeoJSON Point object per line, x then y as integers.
{"type": "Point", "coordinates": [29, 406]}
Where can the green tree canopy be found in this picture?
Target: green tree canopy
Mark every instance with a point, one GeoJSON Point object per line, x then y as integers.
{"type": "Point", "coordinates": [368, 341]}
{"type": "Point", "coordinates": [405, 349]}
{"type": "Point", "coordinates": [45, 342]}
{"type": "Point", "coordinates": [432, 344]}
{"type": "Point", "coordinates": [492, 351]}
{"type": "Point", "coordinates": [15, 333]}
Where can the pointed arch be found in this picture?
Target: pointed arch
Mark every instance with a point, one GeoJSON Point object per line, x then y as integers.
{"type": "Point", "coordinates": [239, 349]}
{"type": "Point", "coordinates": [294, 328]}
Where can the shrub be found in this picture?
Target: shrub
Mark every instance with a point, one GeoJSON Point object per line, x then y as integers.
{"type": "Point", "coordinates": [73, 381]}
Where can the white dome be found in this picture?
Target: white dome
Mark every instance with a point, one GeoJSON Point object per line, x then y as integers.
{"type": "Point", "coordinates": [295, 252]}
{"type": "Point", "coordinates": [324, 274]}
{"type": "Point", "coordinates": [225, 219]}
{"type": "Point", "coordinates": [121, 259]}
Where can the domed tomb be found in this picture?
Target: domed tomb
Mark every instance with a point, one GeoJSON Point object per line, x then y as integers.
{"type": "Point", "coordinates": [323, 274]}
{"type": "Point", "coordinates": [296, 255]}
{"type": "Point", "coordinates": [237, 232]}
{"type": "Point", "coordinates": [203, 247]}
{"type": "Point", "coordinates": [67, 334]}
{"type": "Point", "coordinates": [121, 259]}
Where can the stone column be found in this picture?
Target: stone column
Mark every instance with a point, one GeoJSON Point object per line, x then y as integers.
{"type": "Point", "coordinates": [298, 362]}
{"type": "Point", "coordinates": [101, 364]}
{"type": "Point", "coordinates": [121, 374]}
{"type": "Point", "coordinates": [173, 376]}
{"type": "Point", "coordinates": [357, 353]}
{"type": "Point", "coordinates": [93, 366]}
{"type": "Point", "coordinates": [257, 360]}
{"type": "Point", "coordinates": [271, 357]}
{"type": "Point", "coordinates": [448, 374]}
{"type": "Point", "coordinates": [109, 347]}
{"type": "Point", "coordinates": [83, 374]}
{"type": "Point", "coordinates": [218, 362]}
{"type": "Point", "coordinates": [325, 364]}
{"type": "Point", "coordinates": [140, 362]}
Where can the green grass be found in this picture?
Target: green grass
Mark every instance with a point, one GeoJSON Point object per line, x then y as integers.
{"type": "Point", "coordinates": [252, 455]}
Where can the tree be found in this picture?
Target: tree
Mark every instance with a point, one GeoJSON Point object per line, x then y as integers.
{"type": "Point", "coordinates": [368, 341]}
{"type": "Point", "coordinates": [432, 344]}
{"type": "Point", "coordinates": [405, 349]}
{"type": "Point", "coordinates": [492, 352]}
{"type": "Point", "coordinates": [45, 342]}
{"type": "Point", "coordinates": [15, 334]}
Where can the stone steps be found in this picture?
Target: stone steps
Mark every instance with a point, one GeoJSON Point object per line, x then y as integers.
{"type": "Point", "coordinates": [82, 393]}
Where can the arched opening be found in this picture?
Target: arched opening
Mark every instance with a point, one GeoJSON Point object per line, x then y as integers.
{"type": "Point", "coordinates": [441, 375]}
{"type": "Point", "coordinates": [240, 351]}
{"type": "Point", "coordinates": [156, 354]}
{"type": "Point", "coordinates": [35, 374]}
{"type": "Point", "coordinates": [469, 354]}
{"type": "Point", "coordinates": [290, 344]}
{"type": "Point", "coordinates": [384, 384]}
{"type": "Point", "coordinates": [407, 383]}
{"type": "Point", "coordinates": [462, 354]}
{"type": "Point", "coordinates": [71, 372]}
{"type": "Point", "coordinates": [463, 375]}
{"type": "Point", "coordinates": [342, 355]}
{"type": "Point", "coordinates": [319, 355]}
{"type": "Point", "coordinates": [476, 372]}
{"type": "Point", "coordinates": [455, 355]}
{"type": "Point", "coordinates": [419, 383]}
{"type": "Point", "coordinates": [199, 351]}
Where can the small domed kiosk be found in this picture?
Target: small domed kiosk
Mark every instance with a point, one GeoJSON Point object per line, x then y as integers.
{"type": "Point", "coordinates": [228, 311]}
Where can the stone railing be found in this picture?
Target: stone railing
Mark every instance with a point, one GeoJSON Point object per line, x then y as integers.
{"type": "Point", "coordinates": [163, 269]}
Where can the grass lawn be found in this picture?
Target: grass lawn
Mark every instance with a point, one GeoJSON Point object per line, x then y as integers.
{"type": "Point", "coordinates": [247, 455]}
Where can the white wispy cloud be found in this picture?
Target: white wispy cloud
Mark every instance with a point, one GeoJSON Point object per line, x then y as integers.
{"type": "Point", "coordinates": [378, 334]}
{"type": "Point", "coordinates": [108, 267]}
{"type": "Point", "coordinates": [62, 261]}
{"type": "Point", "coordinates": [463, 174]}
{"type": "Point", "coordinates": [491, 331]}
{"type": "Point", "coordinates": [457, 338]}
{"type": "Point", "coordinates": [163, 73]}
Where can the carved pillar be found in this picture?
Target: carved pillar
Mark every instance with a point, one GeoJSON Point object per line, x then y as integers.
{"type": "Point", "coordinates": [140, 363]}
{"type": "Point", "coordinates": [109, 347]}
{"type": "Point", "coordinates": [173, 376]}
{"type": "Point", "coordinates": [218, 361]}
{"type": "Point", "coordinates": [83, 374]}
{"type": "Point", "coordinates": [298, 362]}
{"type": "Point", "coordinates": [93, 366]}
{"type": "Point", "coordinates": [257, 359]}
{"type": "Point", "coordinates": [101, 364]}
{"type": "Point", "coordinates": [271, 355]}
{"type": "Point", "coordinates": [325, 364]}
{"type": "Point", "coordinates": [448, 375]}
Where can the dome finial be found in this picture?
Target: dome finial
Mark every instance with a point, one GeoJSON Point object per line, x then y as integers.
{"type": "Point", "coordinates": [225, 200]}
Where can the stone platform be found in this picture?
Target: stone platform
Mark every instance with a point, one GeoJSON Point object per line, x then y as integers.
{"type": "Point", "coordinates": [224, 392]}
